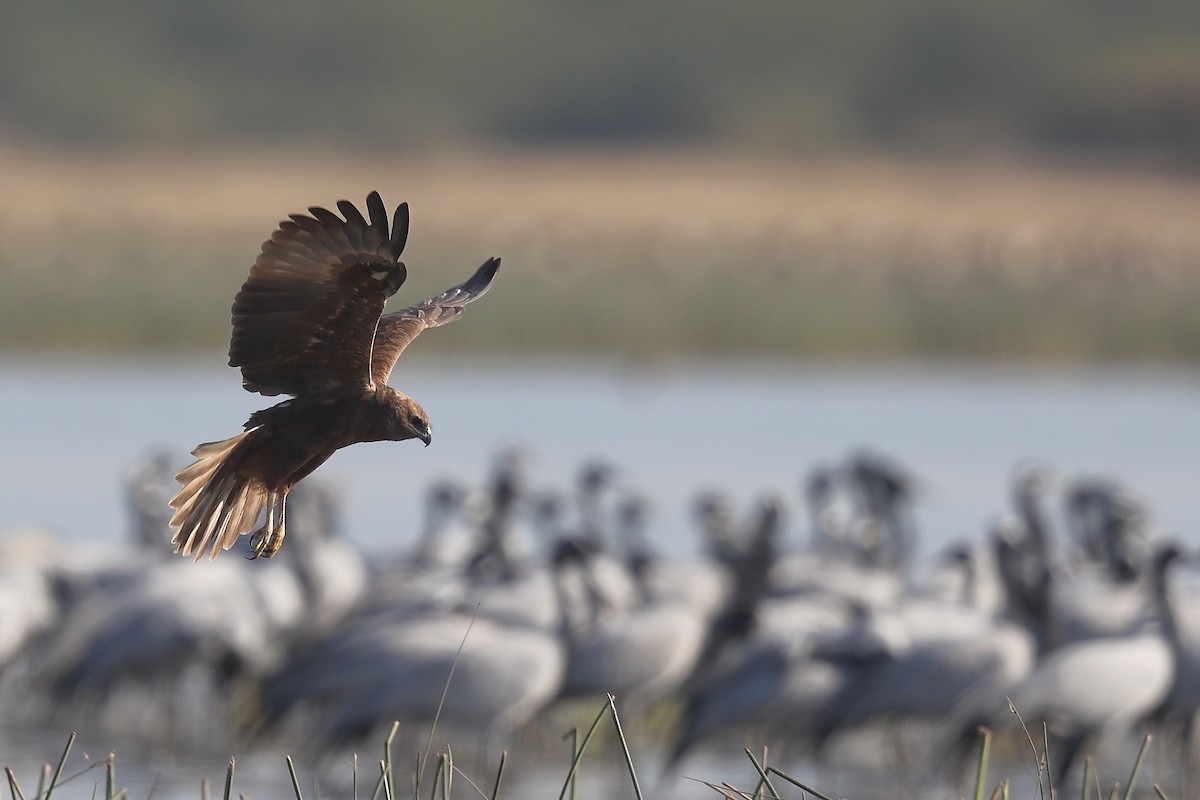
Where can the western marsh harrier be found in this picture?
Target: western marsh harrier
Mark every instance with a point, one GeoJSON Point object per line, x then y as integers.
{"type": "Point", "coordinates": [309, 323]}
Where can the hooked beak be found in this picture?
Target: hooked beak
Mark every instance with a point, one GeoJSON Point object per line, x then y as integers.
{"type": "Point", "coordinates": [425, 436]}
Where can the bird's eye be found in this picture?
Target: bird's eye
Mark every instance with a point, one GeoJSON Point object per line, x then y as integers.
{"type": "Point", "coordinates": [416, 422]}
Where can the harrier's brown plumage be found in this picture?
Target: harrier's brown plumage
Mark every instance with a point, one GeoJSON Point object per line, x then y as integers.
{"type": "Point", "coordinates": [307, 323]}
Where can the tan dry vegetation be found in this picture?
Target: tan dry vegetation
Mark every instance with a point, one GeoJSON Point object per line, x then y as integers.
{"type": "Point", "coordinates": [634, 252]}
{"type": "Point", "coordinates": [699, 193]}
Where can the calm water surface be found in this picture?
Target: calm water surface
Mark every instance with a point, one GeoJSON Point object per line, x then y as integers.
{"type": "Point", "coordinates": [74, 427]}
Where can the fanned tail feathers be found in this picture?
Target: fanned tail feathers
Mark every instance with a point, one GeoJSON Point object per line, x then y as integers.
{"type": "Point", "coordinates": [214, 506]}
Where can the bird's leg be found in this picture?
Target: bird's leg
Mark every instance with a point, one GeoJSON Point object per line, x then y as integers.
{"type": "Point", "coordinates": [276, 540]}
{"type": "Point", "coordinates": [260, 540]}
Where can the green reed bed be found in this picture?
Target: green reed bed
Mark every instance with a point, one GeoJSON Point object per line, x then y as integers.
{"type": "Point", "coordinates": [1074, 297]}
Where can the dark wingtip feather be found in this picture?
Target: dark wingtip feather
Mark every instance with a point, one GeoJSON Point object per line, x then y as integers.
{"type": "Point", "coordinates": [377, 211]}
{"type": "Point", "coordinates": [324, 216]}
{"type": "Point", "coordinates": [478, 283]}
{"type": "Point", "coordinates": [399, 229]}
{"type": "Point", "coordinates": [351, 213]}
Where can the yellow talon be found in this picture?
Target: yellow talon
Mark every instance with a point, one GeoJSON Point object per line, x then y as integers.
{"type": "Point", "coordinates": [273, 544]}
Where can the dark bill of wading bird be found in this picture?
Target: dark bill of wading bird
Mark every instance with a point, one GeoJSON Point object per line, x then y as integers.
{"type": "Point", "coordinates": [309, 323]}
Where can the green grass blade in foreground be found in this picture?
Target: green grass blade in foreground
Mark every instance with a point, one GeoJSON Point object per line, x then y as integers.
{"type": "Point", "coordinates": [14, 788]}
{"type": "Point", "coordinates": [798, 784]}
{"type": "Point", "coordinates": [437, 715]}
{"type": "Point", "coordinates": [448, 779]}
{"type": "Point", "coordinates": [499, 775]}
{"type": "Point", "coordinates": [985, 747]}
{"type": "Point", "coordinates": [384, 784]}
{"type": "Point", "coordinates": [295, 781]}
{"type": "Point", "coordinates": [389, 777]}
{"type": "Point", "coordinates": [1039, 760]}
{"type": "Point", "coordinates": [381, 783]}
{"type": "Point", "coordinates": [438, 774]}
{"type": "Point", "coordinates": [579, 755]}
{"type": "Point", "coordinates": [612, 706]}
{"type": "Point", "coordinates": [59, 769]}
{"type": "Point", "coordinates": [1137, 767]}
{"type": "Point", "coordinates": [229, 779]}
{"type": "Point", "coordinates": [1046, 760]}
{"type": "Point", "coordinates": [1087, 779]}
{"type": "Point", "coordinates": [573, 776]}
{"type": "Point", "coordinates": [762, 774]}
{"type": "Point", "coordinates": [721, 790]}
{"type": "Point", "coordinates": [573, 734]}
{"type": "Point", "coordinates": [763, 780]}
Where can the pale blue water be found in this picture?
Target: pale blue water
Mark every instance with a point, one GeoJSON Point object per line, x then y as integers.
{"type": "Point", "coordinates": [72, 427]}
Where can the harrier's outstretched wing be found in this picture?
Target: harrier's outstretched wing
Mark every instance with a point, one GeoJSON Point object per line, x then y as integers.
{"type": "Point", "coordinates": [305, 319]}
{"type": "Point", "coordinates": [396, 330]}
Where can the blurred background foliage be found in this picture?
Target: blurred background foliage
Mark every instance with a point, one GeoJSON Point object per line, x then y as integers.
{"type": "Point", "coordinates": [1053, 93]}
{"type": "Point", "coordinates": [779, 75]}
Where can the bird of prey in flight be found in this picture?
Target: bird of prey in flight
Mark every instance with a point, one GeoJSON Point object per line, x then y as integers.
{"type": "Point", "coordinates": [309, 323]}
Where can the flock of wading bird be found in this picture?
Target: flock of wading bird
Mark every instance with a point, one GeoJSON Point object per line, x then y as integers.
{"type": "Point", "coordinates": [517, 597]}
{"type": "Point", "coordinates": [810, 643]}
